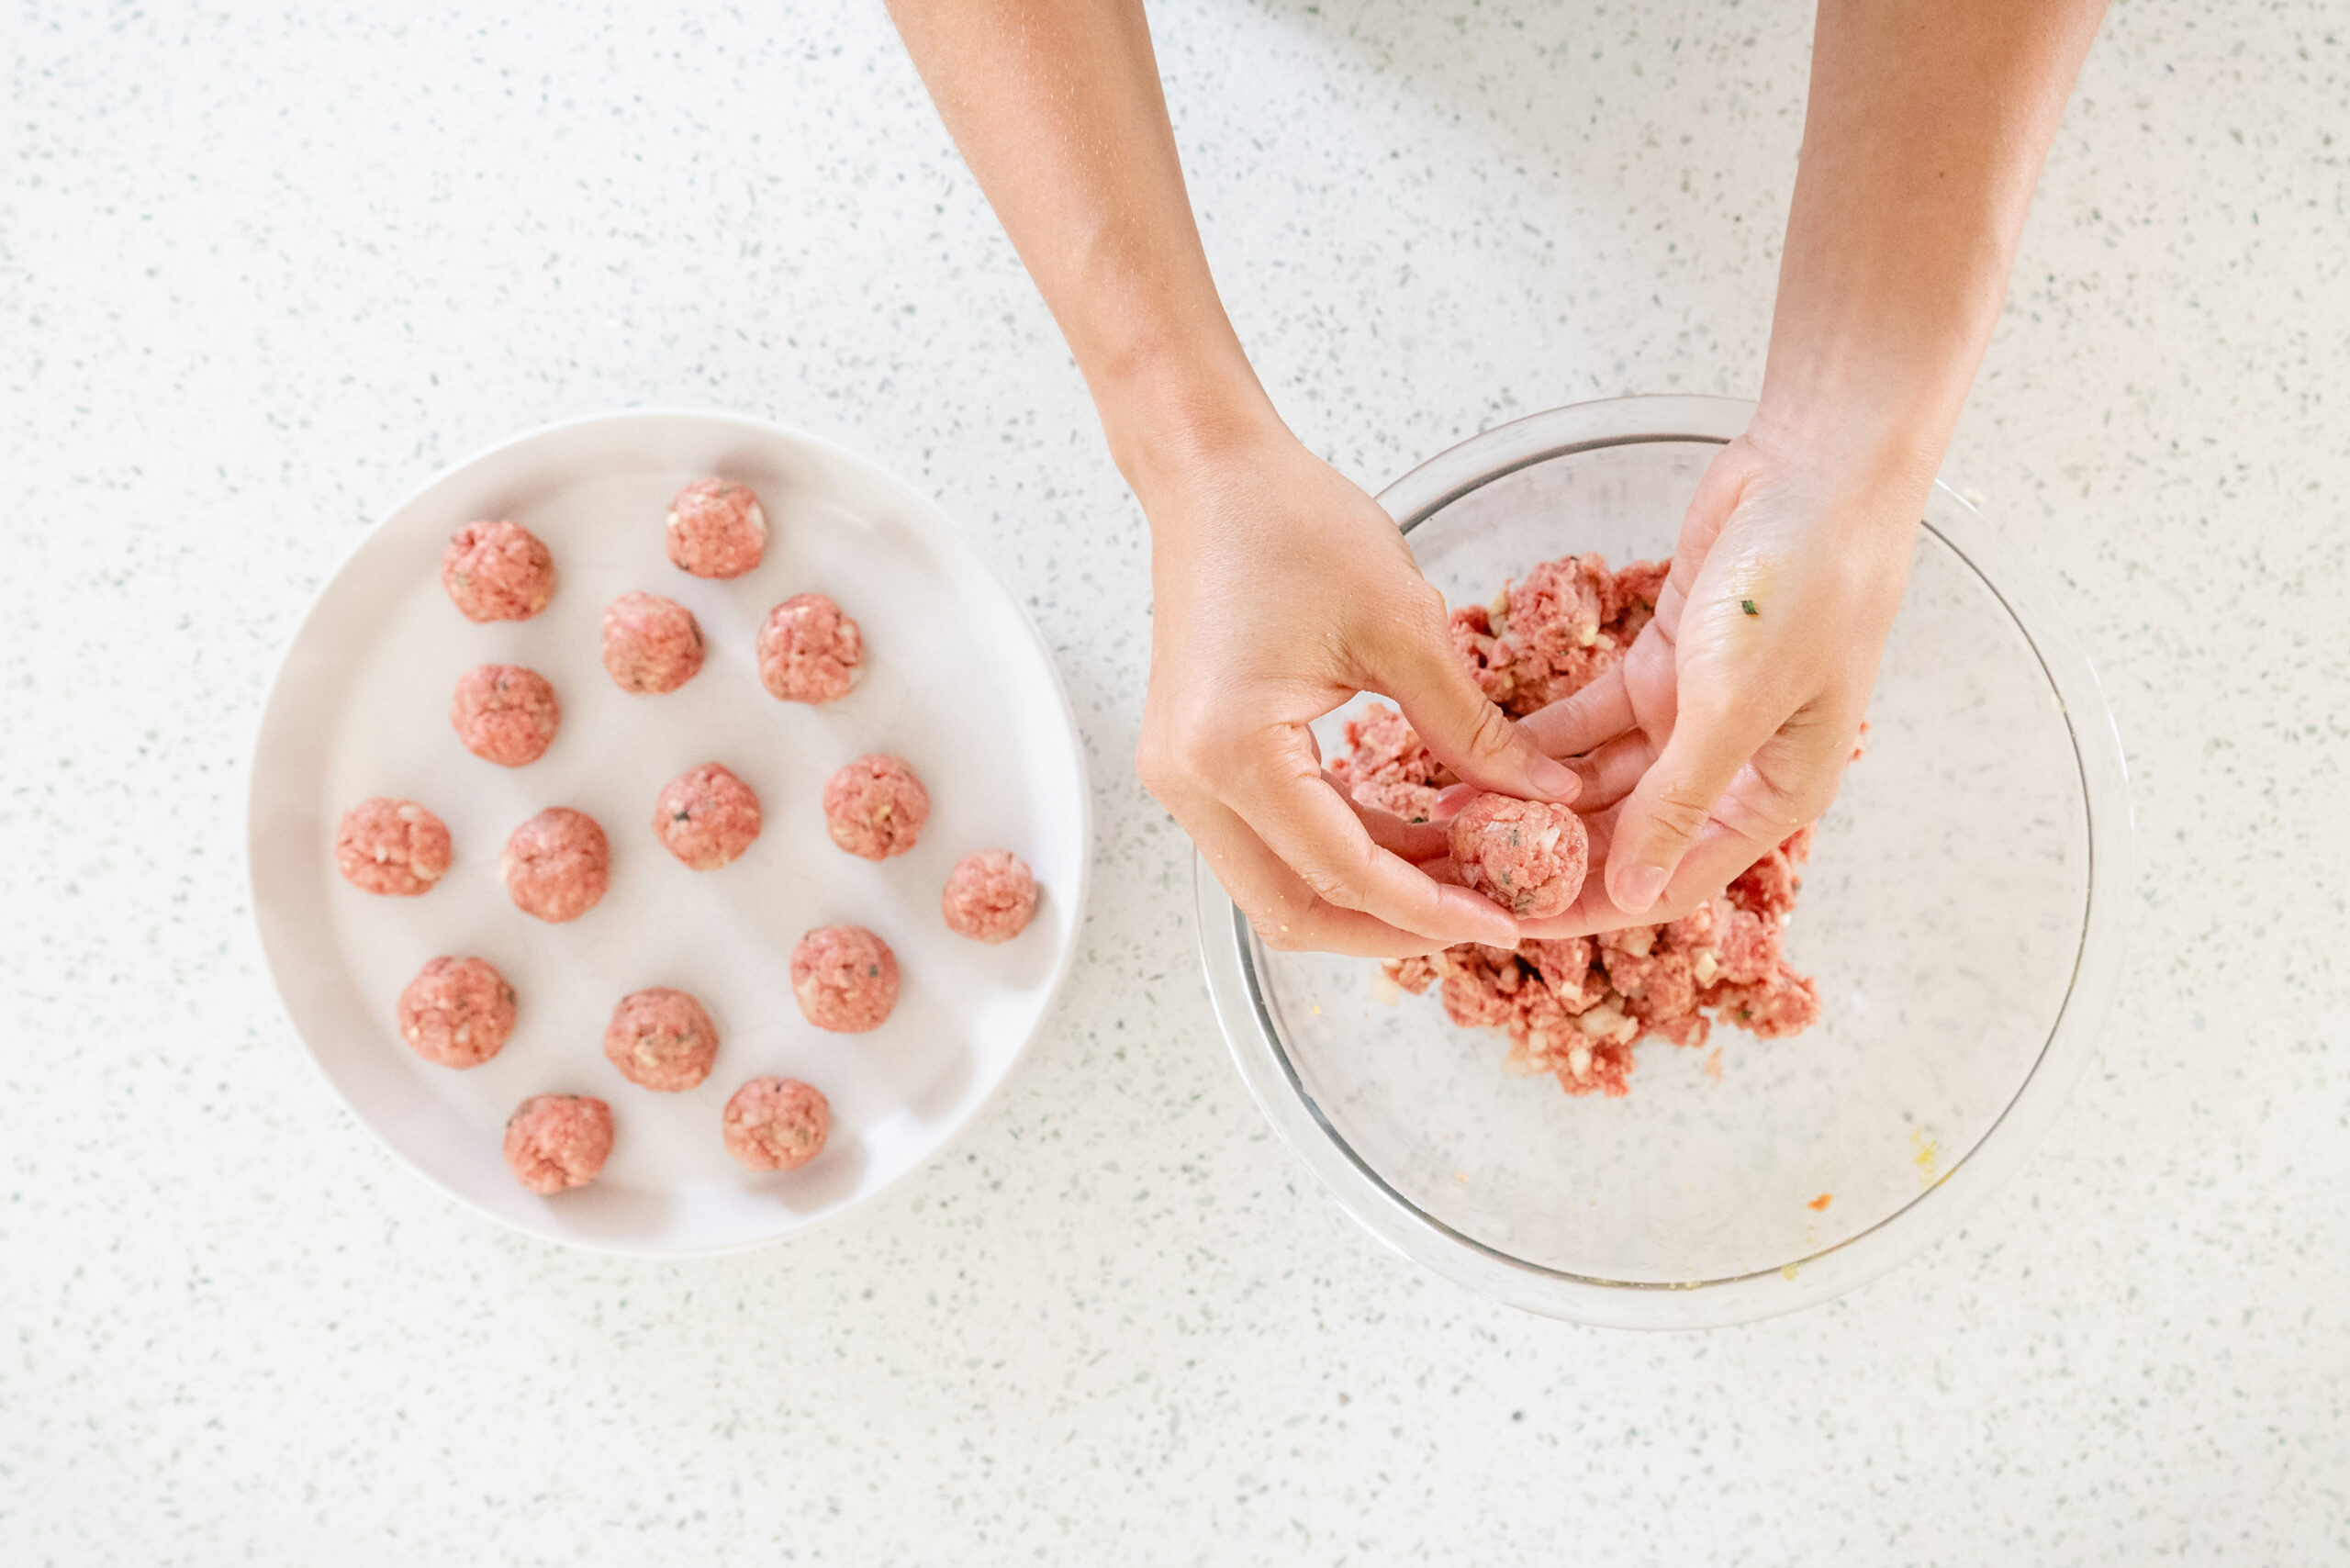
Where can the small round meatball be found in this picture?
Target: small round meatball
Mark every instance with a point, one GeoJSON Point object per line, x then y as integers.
{"type": "Point", "coordinates": [777, 1123]}
{"type": "Point", "coordinates": [457, 1012]}
{"type": "Point", "coordinates": [1527, 856]}
{"type": "Point", "coordinates": [846, 979]}
{"type": "Point", "coordinates": [809, 651]}
{"type": "Point", "coordinates": [706, 816]}
{"type": "Point", "coordinates": [716, 529]}
{"type": "Point", "coordinates": [651, 644]}
{"type": "Point", "coordinates": [497, 571]}
{"type": "Point", "coordinates": [391, 846]}
{"type": "Point", "coordinates": [661, 1039]}
{"type": "Point", "coordinates": [556, 865]}
{"type": "Point", "coordinates": [558, 1141]}
{"type": "Point", "coordinates": [875, 807]}
{"type": "Point", "coordinates": [990, 896]}
{"type": "Point", "coordinates": [505, 714]}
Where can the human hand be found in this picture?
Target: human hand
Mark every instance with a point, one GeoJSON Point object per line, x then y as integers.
{"type": "Point", "coordinates": [1729, 721]}
{"type": "Point", "coordinates": [1282, 590]}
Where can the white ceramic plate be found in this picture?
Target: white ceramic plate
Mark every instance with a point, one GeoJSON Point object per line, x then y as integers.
{"type": "Point", "coordinates": [955, 680]}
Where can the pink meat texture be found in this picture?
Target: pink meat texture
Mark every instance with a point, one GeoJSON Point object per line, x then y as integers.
{"type": "Point", "coordinates": [1577, 1008]}
{"type": "Point", "coordinates": [556, 865]}
{"type": "Point", "coordinates": [809, 651]}
{"type": "Point", "coordinates": [651, 644]}
{"type": "Point", "coordinates": [661, 1039]}
{"type": "Point", "coordinates": [716, 527]}
{"type": "Point", "coordinates": [383, 846]}
{"type": "Point", "coordinates": [505, 714]}
{"type": "Point", "coordinates": [1527, 856]}
{"type": "Point", "coordinates": [844, 977]}
{"type": "Point", "coordinates": [777, 1123]}
{"type": "Point", "coordinates": [457, 1012]}
{"type": "Point", "coordinates": [558, 1141]}
{"type": "Point", "coordinates": [990, 896]}
{"type": "Point", "coordinates": [497, 571]}
{"type": "Point", "coordinates": [875, 807]}
{"type": "Point", "coordinates": [706, 816]}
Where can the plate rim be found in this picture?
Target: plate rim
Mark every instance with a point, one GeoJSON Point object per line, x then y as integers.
{"type": "Point", "coordinates": [941, 530]}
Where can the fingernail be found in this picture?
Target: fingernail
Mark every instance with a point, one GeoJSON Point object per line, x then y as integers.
{"type": "Point", "coordinates": [1637, 887]}
{"type": "Point", "coordinates": [1553, 778]}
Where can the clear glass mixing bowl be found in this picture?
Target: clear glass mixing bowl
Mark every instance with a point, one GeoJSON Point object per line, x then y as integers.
{"type": "Point", "coordinates": [1961, 912]}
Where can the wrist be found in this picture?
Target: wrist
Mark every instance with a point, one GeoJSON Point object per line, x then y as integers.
{"type": "Point", "coordinates": [1174, 409]}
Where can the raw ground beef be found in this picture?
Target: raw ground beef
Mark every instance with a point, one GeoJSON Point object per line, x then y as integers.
{"type": "Point", "coordinates": [706, 816]}
{"type": "Point", "coordinates": [1577, 1008]}
{"type": "Point", "coordinates": [716, 527]}
{"type": "Point", "coordinates": [505, 714]}
{"type": "Point", "coordinates": [457, 1012]}
{"type": "Point", "coordinates": [651, 644]}
{"type": "Point", "coordinates": [777, 1123]}
{"type": "Point", "coordinates": [990, 896]}
{"type": "Point", "coordinates": [558, 1141]}
{"type": "Point", "coordinates": [809, 651]}
{"type": "Point", "coordinates": [497, 571]}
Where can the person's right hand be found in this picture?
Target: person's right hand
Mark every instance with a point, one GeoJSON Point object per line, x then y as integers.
{"type": "Point", "coordinates": [1281, 590]}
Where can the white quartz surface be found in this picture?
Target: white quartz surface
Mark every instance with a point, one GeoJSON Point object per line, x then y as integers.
{"type": "Point", "coordinates": [262, 270]}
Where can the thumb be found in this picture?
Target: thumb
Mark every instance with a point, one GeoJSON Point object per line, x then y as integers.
{"type": "Point", "coordinates": [1671, 803]}
{"type": "Point", "coordinates": [1463, 729]}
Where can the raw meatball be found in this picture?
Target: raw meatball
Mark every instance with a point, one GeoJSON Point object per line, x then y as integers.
{"type": "Point", "coordinates": [706, 816]}
{"type": "Point", "coordinates": [716, 529]}
{"type": "Point", "coordinates": [391, 846]}
{"type": "Point", "coordinates": [661, 1039]}
{"type": "Point", "coordinates": [651, 644]}
{"type": "Point", "coordinates": [846, 979]}
{"type": "Point", "coordinates": [990, 896]}
{"type": "Point", "coordinates": [555, 1141]}
{"type": "Point", "coordinates": [809, 651]}
{"type": "Point", "coordinates": [505, 713]}
{"type": "Point", "coordinates": [1527, 856]}
{"type": "Point", "coordinates": [875, 807]}
{"type": "Point", "coordinates": [777, 1123]}
{"type": "Point", "coordinates": [457, 1012]}
{"type": "Point", "coordinates": [556, 865]}
{"type": "Point", "coordinates": [497, 571]}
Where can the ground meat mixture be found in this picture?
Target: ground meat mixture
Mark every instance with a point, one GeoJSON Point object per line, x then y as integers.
{"type": "Point", "coordinates": [777, 1123]}
{"type": "Point", "coordinates": [556, 865]}
{"type": "Point", "coordinates": [497, 571]}
{"type": "Point", "coordinates": [846, 979]}
{"type": "Point", "coordinates": [661, 1039]}
{"type": "Point", "coordinates": [1527, 856]}
{"type": "Point", "coordinates": [809, 651]}
{"type": "Point", "coordinates": [457, 1012]}
{"type": "Point", "coordinates": [651, 644]}
{"type": "Point", "coordinates": [558, 1141]}
{"type": "Point", "coordinates": [505, 714]}
{"type": "Point", "coordinates": [383, 846]}
{"type": "Point", "coordinates": [706, 816]}
{"type": "Point", "coordinates": [1577, 1008]}
{"type": "Point", "coordinates": [990, 896]}
{"type": "Point", "coordinates": [716, 527]}
{"type": "Point", "coordinates": [875, 807]}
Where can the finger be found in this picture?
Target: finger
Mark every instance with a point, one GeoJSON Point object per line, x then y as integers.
{"type": "Point", "coordinates": [1460, 727]}
{"type": "Point", "coordinates": [1591, 716]}
{"type": "Point", "coordinates": [1314, 831]}
{"type": "Point", "coordinates": [1283, 911]}
{"type": "Point", "coordinates": [1657, 822]}
{"type": "Point", "coordinates": [1612, 771]}
{"type": "Point", "coordinates": [1415, 841]}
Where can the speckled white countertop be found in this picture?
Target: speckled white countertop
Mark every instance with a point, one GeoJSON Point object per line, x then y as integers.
{"type": "Point", "coordinates": [260, 274]}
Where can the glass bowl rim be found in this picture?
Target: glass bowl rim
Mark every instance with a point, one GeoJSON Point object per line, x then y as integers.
{"type": "Point", "coordinates": [1229, 953]}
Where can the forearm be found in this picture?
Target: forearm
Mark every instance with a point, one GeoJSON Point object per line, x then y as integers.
{"type": "Point", "coordinates": [1926, 125]}
{"type": "Point", "coordinates": [1056, 106]}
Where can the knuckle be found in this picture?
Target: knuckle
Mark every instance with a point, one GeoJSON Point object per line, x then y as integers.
{"type": "Point", "coordinates": [1278, 932]}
